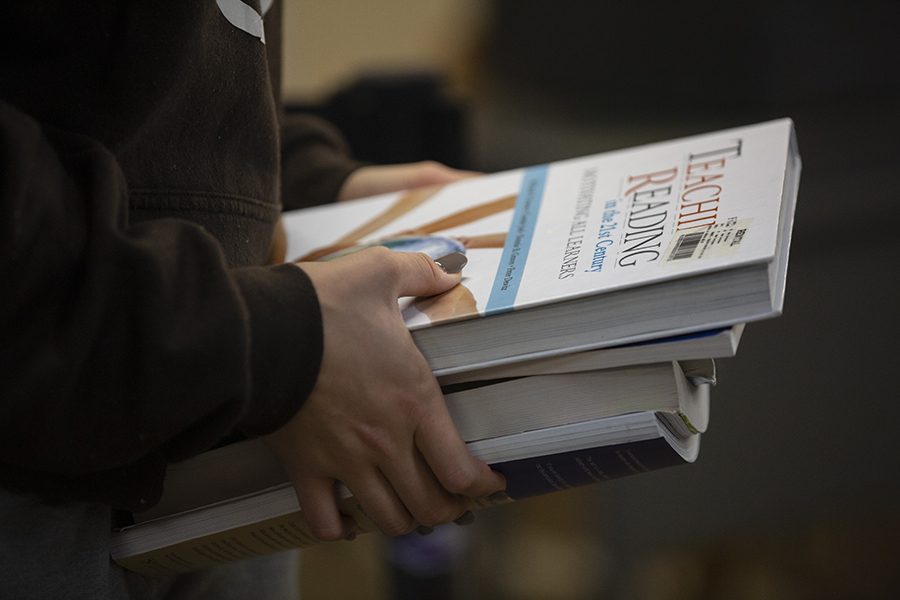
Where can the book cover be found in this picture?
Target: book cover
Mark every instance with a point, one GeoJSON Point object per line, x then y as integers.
{"type": "Point", "coordinates": [693, 233]}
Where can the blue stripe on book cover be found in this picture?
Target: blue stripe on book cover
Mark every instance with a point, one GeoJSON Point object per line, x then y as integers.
{"type": "Point", "coordinates": [518, 241]}
{"type": "Point", "coordinates": [552, 473]}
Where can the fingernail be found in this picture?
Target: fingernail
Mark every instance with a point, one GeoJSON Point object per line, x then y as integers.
{"type": "Point", "coordinates": [422, 530]}
{"type": "Point", "coordinates": [467, 518]}
{"type": "Point", "coordinates": [498, 496]}
{"type": "Point", "coordinates": [351, 536]}
{"type": "Point", "coordinates": [452, 263]}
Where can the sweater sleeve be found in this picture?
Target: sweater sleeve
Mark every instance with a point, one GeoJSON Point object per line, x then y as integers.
{"type": "Point", "coordinates": [315, 161]}
{"type": "Point", "coordinates": [124, 348]}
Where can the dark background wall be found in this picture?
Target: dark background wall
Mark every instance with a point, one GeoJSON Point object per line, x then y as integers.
{"type": "Point", "coordinates": [795, 494]}
{"type": "Point", "coordinates": [797, 487]}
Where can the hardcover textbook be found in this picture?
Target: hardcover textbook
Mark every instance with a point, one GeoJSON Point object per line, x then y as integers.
{"type": "Point", "coordinates": [236, 502]}
{"type": "Point", "coordinates": [607, 283]}
{"type": "Point", "coordinates": [655, 241]}
{"type": "Point", "coordinates": [718, 343]}
{"type": "Point", "coordinates": [270, 520]}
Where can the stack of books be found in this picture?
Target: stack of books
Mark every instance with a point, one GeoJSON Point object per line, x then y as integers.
{"type": "Point", "coordinates": [578, 347]}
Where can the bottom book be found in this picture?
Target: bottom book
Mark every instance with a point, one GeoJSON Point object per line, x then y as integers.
{"type": "Point", "coordinates": [183, 535]}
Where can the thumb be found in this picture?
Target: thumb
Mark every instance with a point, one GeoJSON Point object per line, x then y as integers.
{"type": "Point", "coordinates": [419, 275]}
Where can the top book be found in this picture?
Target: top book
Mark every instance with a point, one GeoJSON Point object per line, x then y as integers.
{"type": "Point", "coordinates": [638, 244]}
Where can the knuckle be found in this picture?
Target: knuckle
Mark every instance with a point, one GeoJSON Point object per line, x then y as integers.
{"type": "Point", "coordinates": [397, 526]}
{"type": "Point", "coordinates": [424, 264]}
{"type": "Point", "coordinates": [440, 515]}
{"type": "Point", "coordinates": [461, 480]}
{"type": "Point", "coordinates": [326, 533]}
{"type": "Point", "coordinates": [410, 403]}
{"type": "Point", "coordinates": [379, 251]}
{"type": "Point", "coordinates": [376, 441]}
{"type": "Point", "coordinates": [383, 259]}
{"type": "Point", "coordinates": [398, 264]}
{"type": "Point", "coordinates": [428, 167]}
{"type": "Point", "coordinates": [434, 168]}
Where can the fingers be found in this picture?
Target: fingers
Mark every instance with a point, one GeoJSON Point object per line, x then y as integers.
{"type": "Point", "coordinates": [317, 500]}
{"type": "Point", "coordinates": [419, 275]}
{"type": "Point", "coordinates": [379, 179]}
{"type": "Point", "coordinates": [403, 499]}
{"type": "Point", "coordinates": [450, 459]}
{"type": "Point", "coordinates": [379, 272]}
{"type": "Point", "coordinates": [422, 495]}
{"type": "Point", "coordinates": [379, 501]}
{"type": "Point", "coordinates": [404, 496]}
{"type": "Point", "coordinates": [376, 419]}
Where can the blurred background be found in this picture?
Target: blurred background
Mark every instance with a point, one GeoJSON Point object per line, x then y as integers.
{"type": "Point", "coordinates": [796, 493]}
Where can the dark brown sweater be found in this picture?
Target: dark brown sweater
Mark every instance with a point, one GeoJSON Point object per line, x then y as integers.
{"type": "Point", "coordinates": [140, 180]}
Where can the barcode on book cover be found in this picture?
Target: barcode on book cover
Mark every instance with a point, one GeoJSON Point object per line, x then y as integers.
{"type": "Point", "coordinates": [685, 246]}
{"type": "Point", "coordinates": [719, 239]}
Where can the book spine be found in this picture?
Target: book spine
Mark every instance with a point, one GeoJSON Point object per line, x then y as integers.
{"type": "Point", "coordinates": [553, 473]}
{"type": "Point", "coordinates": [285, 532]}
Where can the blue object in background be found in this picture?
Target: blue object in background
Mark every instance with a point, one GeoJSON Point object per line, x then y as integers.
{"type": "Point", "coordinates": [434, 246]}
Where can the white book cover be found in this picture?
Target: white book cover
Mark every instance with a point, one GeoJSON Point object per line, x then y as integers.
{"type": "Point", "coordinates": [585, 226]}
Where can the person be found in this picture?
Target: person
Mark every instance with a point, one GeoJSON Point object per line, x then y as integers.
{"type": "Point", "coordinates": [144, 162]}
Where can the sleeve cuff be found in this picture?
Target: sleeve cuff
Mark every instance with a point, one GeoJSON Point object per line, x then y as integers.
{"type": "Point", "coordinates": [286, 344]}
{"type": "Point", "coordinates": [315, 162]}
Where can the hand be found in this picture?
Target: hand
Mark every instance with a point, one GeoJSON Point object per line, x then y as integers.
{"type": "Point", "coordinates": [376, 419]}
{"type": "Point", "coordinates": [381, 179]}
